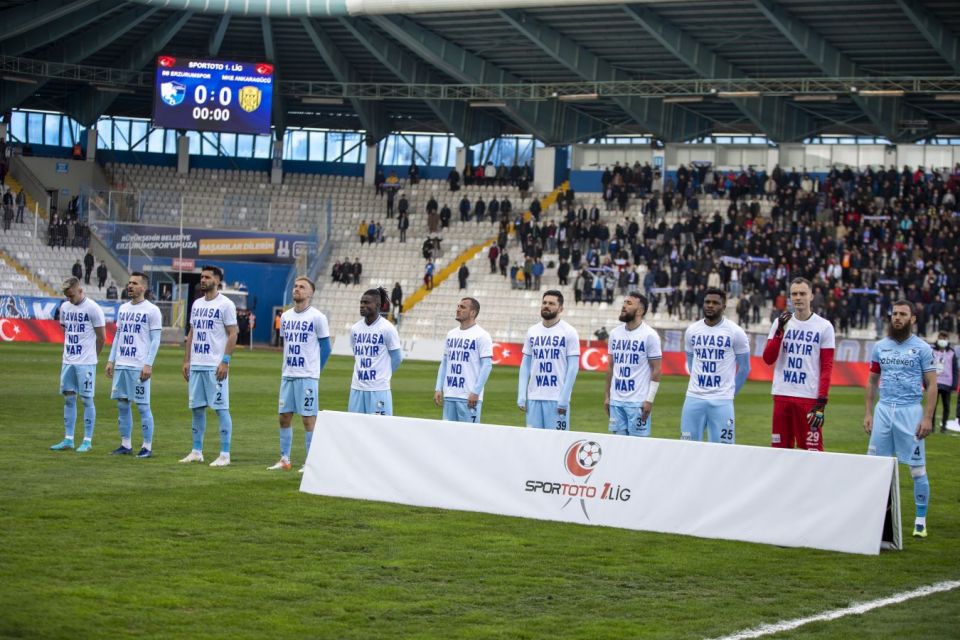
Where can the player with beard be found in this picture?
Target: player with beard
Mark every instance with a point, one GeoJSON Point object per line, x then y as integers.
{"type": "Point", "coordinates": [901, 365]}
{"type": "Point", "coordinates": [130, 364]}
{"type": "Point", "coordinates": [800, 347]}
{"type": "Point", "coordinates": [551, 359]}
{"type": "Point", "coordinates": [306, 349]}
{"type": "Point", "coordinates": [206, 363]}
{"type": "Point", "coordinates": [633, 374]}
{"type": "Point", "coordinates": [718, 359]}
{"type": "Point", "coordinates": [376, 353]}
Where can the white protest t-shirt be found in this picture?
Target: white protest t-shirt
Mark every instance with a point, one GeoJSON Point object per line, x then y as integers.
{"type": "Point", "coordinates": [630, 353]}
{"type": "Point", "coordinates": [134, 324]}
{"type": "Point", "coordinates": [79, 338]}
{"type": "Point", "coordinates": [548, 348]}
{"type": "Point", "coordinates": [715, 349]}
{"type": "Point", "coordinates": [371, 345]}
{"type": "Point", "coordinates": [302, 332]}
{"type": "Point", "coordinates": [209, 320]}
{"type": "Point", "coordinates": [797, 371]}
{"type": "Point", "coordinates": [463, 350]}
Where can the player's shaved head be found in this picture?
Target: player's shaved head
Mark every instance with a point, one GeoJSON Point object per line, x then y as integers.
{"type": "Point", "coordinates": [473, 304]}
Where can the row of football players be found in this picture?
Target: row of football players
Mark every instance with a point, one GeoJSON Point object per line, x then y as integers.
{"type": "Point", "coordinates": [800, 346]}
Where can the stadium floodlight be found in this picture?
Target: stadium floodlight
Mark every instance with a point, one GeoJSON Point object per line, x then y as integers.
{"type": "Point", "coordinates": [882, 93]}
{"type": "Point", "coordinates": [579, 97]}
{"type": "Point", "coordinates": [321, 100]}
{"type": "Point", "coordinates": [682, 99]}
{"type": "Point", "coordinates": [20, 79]}
{"type": "Point", "coordinates": [815, 97]}
{"type": "Point", "coordinates": [111, 89]}
{"type": "Point", "coordinates": [738, 94]}
{"type": "Point", "coordinates": [488, 103]}
{"type": "Point", "coordinates": [947, 97]}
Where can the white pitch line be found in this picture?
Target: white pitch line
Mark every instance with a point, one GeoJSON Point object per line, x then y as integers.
{"type": "Point", "coordinates": [857, 609]}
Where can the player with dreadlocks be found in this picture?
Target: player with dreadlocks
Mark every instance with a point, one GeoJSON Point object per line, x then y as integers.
{"type": "Point", "coordinates": [376, 353]}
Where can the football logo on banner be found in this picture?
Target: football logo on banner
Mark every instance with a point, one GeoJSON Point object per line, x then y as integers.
{"type": "Point", "coordinates": [172, 93]}
{"type": "Point", "coordinates": [250, 98]}
{"type": "Point", "coordinates": [582, 457]}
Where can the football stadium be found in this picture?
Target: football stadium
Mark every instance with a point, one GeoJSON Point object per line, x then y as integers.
{"type": "Point", "coordinates": [480, 319]}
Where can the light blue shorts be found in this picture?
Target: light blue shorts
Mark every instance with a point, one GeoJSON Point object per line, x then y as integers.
{"type": "Point", "coordinates": [716, 415]}
{"type": "Point", "coordinates": [127, 386]}
{"type": "Point", "coordinates": [299, 395]}
{"type": "Point", "coordinates": [80, 379]}
{"type": "Point", "coordinates": [370, 402]}
{"type": "Point", "coordinates": [895, 433]}
{"type": "Point", "coordinates": [542, 414]}
{"type": "Point", "coordinates": [625, 419]}
{"type": "Point", "coordinates": [456, 410]}
{"type": "Point", "coordinates": [206, 391]}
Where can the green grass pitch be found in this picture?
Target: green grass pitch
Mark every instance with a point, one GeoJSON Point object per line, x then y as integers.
{"type": "Point", "coordinates": [94, 546]}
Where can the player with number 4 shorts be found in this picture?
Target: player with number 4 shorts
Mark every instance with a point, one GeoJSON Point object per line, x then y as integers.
{"type": "Point", "coordinates": [800, 347]}
{"type": "Point", "coordinates": [718, 358]}
{"type": "Point", "coordinates": [551, 359]}
{"type": "Point", "coordinates": [83, 338]}
{"type": "Point", "coordinates": [465, 367]}
{"type": "Point", "coordinates": [306, 349]}
{"type": "Point", "coordinates": [902, 371]}
{"type": "Point", "coordinates": [633, 373]}
{"type": "Point", "coordinates": [206, 363]}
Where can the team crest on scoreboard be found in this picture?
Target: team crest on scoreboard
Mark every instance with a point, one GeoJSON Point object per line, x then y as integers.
{"type": "Point", "coordinates": [250, 98]}
{"type": "Point", "coordinates": [172, 93]}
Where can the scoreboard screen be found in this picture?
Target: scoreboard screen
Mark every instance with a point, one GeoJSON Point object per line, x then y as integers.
{"type": "Point", "coordinates": [213, 95]}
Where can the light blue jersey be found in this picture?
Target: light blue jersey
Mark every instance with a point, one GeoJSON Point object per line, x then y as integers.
{"type": "Point", "coordinates": [896, 418]}
{"type": "Point", "coordinates": [901, 366]}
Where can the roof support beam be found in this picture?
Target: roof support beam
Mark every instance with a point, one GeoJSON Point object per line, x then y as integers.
{"type": "Point", "coordinates": [372, 115]}
{"type": "Point", "coordinates": [74, 50]}
{"type": "Point", "coordinates": [31, 15]}
{"type": "Point", "coordinates": [279, 106]}
{"type": "Point", "coordinates": [56, 29]}
{"type": "Point", "coordinates": [470, 125]}
{"type": "Point", "coordinates": [884, 113]}
{"type": "Point", "coordinates": [548, 120]}
{"type": "Point", "coordinates": [940, 38]}
{"type": "Point", "coordinates": [217, 35]}
{"type": "Point", "coordinates": [773, 115]}
{"type": "Point", "coordinates": [89, 103]}
{"type": "Point", "coordinates": [664, 121]}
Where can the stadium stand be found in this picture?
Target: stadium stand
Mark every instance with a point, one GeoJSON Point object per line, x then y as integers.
{"type": "Point", "coordinates": [42, 255]}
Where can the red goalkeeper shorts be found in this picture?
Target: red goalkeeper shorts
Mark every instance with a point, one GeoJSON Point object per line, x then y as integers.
{"type": "Point", "coordinates": [790, 427]}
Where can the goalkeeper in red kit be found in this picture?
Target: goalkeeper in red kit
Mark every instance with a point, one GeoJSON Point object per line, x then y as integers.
{"type": "Point", "coordinates": [800, 348]}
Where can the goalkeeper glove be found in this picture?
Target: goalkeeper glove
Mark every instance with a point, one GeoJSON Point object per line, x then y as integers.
{"type": "Point", "coordinates": [782, 321]}
{"type": "Point", "coordinates": [815, 417]}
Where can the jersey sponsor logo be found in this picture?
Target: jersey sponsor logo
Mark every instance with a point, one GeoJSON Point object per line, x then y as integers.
{"type": "Point", "coordinates": [580, 460]}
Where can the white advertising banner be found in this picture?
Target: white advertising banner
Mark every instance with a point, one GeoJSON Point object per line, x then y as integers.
{"type": "Point", "coordinates": [784, 497]}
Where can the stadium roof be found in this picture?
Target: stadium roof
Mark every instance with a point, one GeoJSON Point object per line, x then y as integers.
{"type": "Point", "coordinates": [788, 69]}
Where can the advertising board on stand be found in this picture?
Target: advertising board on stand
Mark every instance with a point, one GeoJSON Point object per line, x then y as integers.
{"type": "Point", "coordinates": [35, 319]}
{"type": "Point", "coordinates": [201, 244]}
